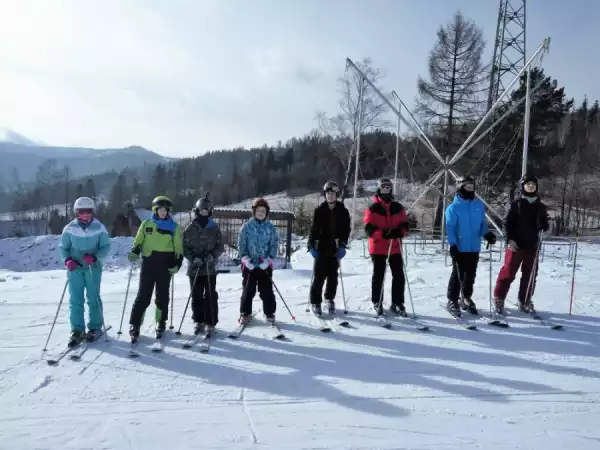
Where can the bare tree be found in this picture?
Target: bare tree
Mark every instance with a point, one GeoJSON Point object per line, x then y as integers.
{"type": "Point", "coordinates": [343, 127]}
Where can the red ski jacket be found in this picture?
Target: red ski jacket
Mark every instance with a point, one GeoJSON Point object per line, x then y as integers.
{"type": "Point", "coordinates": [389, 218]}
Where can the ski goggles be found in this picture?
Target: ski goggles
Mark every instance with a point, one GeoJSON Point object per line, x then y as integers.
{"type": "Point", "coordinates": [333, 189]}
{"type": "Point", "coordinates": [85, 212]}
{"type": "Point", "coordinates": [386, 185]}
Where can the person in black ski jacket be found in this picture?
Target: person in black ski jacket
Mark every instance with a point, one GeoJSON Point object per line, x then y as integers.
{"type": "Point", "coordinates": [327, 242]}
{"type": "Point", "coordinates": [526, 217]}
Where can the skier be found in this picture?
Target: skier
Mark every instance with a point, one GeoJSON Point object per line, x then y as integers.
{"type": "Point", "coordinates": [202, 246]}
{"type": "Point", "coordinates": [327, 243]}
{"type": "Point", "coordinates": [466, 224]}
{"type": "Point", "coordinates": [386, 223]}
{"type": "Point", "coordinates": [526, 217]}
{"type": "Point", "coordinates": [159, 241]}
{"type": "Point", "coordinates": [257, 247]}
{"type": "Point", "coordinates": [83, 245]}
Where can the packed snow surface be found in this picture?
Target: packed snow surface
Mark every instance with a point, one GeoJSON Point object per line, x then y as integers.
{"type": "Point", "coordinates": [366, 387]}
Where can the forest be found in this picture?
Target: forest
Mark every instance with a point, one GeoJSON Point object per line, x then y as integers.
{"type": "Point", "coordinates": [563, 147]}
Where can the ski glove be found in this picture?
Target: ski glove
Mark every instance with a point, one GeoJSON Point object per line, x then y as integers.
{"type": "Point", "coordinates": [341, 252]}
{"type": "Point", "coordinates": [198, 262]}
{"type": "Point", "coordinates": [209, 258]}
{"type": "Point", "coordinates": [132, 256]}
{"type": "Point", "coordinates": [89, 259]}
{"type": "Point", "coordinates": [265, 264]}
{"type": "Point", "coordinates": [71, 264]}
{"type": "Point", "coordinates": [454, 252]}
{"type": "Point", "coordinates": [174, 270]}
{"type": "Point", "coordinates": [490, 237]}
{"type": "Point", "coordinates": [247, 263]}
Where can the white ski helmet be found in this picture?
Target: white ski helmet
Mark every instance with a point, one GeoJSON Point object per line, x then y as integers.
{"type": "Point", "coordinates": [84, 203]}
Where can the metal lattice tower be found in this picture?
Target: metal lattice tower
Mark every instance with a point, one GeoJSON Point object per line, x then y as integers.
{"type": "Point", "coordinates": [509, 47]}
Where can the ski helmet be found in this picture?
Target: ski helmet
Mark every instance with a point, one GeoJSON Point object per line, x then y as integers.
{"type": "Point", "coordinates": [203, 203]}
{"type": "Point", "coordinates": [161, 202]}
{"type": "Point", "coordinates": [260, 201]}
{"type": "Point", "coordinates": [526, 179]}
{"type": "Point", "coordinates": [331, 186]}
{"type": "Point", "coordinates": [463, 181]}
{"type": "Point", "coordinates": [84, 203]}
{"type": "Point", "coordinates": [384, 183]}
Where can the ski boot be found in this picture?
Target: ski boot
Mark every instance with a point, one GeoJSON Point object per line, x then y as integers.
{"type": "Point", "coordinates": [453, 308]}
{"type": "Point", "coordinates": [527, 307]}
{"type": "Point", "coordinates": [160, 330]}
{"type": "Point", "coordinates": [499, 307]}
{"type": "Point", "coordinates": [134, 334]}
{"type": "Point", "coordinates": [209, 331]}
{"type": "Point", "coordinates": [378, 309]}
{"type": "Point", "coordinates": [199, 328]}
{"type": "Point", "coordinates": [398, 310]}
{"type": "Point", "coordinates": [467, 304]}
{"type": "Point", "coordinates": [245, 319]}
{"type": "Point", "coordinates": [76, 338]}
{"type": "Point", "coordinates": [331, 307]}
{"type": "Point", "coordinates": [316, 310]}
{"type": "Point", "coordinates": [93, 335]}
{"type": "Point", "coordinates": [270, 318]}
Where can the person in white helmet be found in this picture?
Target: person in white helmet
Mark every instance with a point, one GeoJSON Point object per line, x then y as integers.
{"type": "Point", "coordinates": [83, 245]}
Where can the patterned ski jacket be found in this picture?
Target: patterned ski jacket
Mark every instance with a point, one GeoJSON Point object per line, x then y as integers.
{"type": "Point", "coordinates": [466, 224]}
{"type": "Point", "coordinates": [198, 242]}
{"type": "Point", "coordinates": [78, 239]}
{"type": "Point", "coordinates": [389, 216]}
{"type": "Point", "coordinates": [258, 240]}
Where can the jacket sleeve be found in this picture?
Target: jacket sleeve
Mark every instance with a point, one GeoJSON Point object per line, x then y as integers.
{"type": "Point", "coordinates": [243, 242]}
{"type": "Point", "coordinates": [346, 227]}
{"type": "Point", "coordinates": [372, 230]}
{"type": "Point", "coordinates": [138, 241]}
{"type": "Point", "coordinates": [178, 244]}
{"type": "Point", "coordinates": [218, 248]}
{"type": "Point", "coordinates": [543, 218]}
{"type": "Point", "coordinates": [402, 228]}
{"type": "Point", "coordinates": [188, 244]}
{"type": "Point", "coordinates": [103, 244]}
{"type": "Point", "coordinates": [273, 243]}
{"type": "Point", "coordinates": [451, 225]}
{"type": "Point", "coordinates": [65, 245]}
{"type": "Point", "coordinates": [509, 222]}
{"type": "Point", "coordinates": [484, 225]}
{"type": "Point", "coordinates": [314, 235]}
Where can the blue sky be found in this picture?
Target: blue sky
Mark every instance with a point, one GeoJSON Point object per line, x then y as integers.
{"type": "Point", "coordinates": [184, 77]}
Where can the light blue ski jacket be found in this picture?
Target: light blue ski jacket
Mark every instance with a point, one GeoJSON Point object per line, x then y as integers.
{"type": "Point", "coordinates": [466, 224]}
{"type": "Point", "coordinates": [77, 240]}
{"type": "Point", "coordinates": [258, 240]}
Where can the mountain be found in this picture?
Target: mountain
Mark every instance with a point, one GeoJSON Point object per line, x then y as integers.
{"type": "Point", "coordinates": [11, 136]}
{"type": "Point", "coordinates": [82, 161]}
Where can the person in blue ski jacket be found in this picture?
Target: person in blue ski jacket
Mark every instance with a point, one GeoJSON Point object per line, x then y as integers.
{"type": "Point", "coordinates": [84, 243]}
{"type": "Point", "coordinates": [257, 247]}
{"type": "Point", "coordinates": [466, 224]}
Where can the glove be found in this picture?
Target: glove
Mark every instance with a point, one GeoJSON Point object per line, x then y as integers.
{"type": "Point", "coordinates": [199, 262]}
{"type": "Point", "coordinates": [132, 256]}
{"type": "Point", "coordinates": [209, 258]}
{"type": "Point", "coordinates": [71, 264]}
{"type": "Point", "coordinates": [454, 251]}
{"type": "Point", "coordinates": [341, 252]}
{"type": "Point", "coordinates": [89, 259]}
{"type": "Point", "coordinates": [394, 233]}
{"type": "Point", "coordinates": [265, 264]}
{"type": "Point", "coordinates": [247, 263]}
{"type": "Point", "coordinates": [313, 252]}
{"type": "Point", "coordinates": [490, 237]}
{"type": "Point", "coordinates": [512, 245]}
{"type": "Point", "coordinates": [385, 232]}
{"type": "Point", "coordinates": [174, 270]}
{"type": "Point", "coordinates": [544, 223]}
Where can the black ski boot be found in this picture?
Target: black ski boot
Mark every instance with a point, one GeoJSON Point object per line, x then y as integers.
{"type": "Point", "coordinates": [245, 319]}
{"type": "Point", "coordinates": [199, 328]}
{"type": "Point", "coordinates": [453, 308]}
{"type": "Point", "coordinates": [331, 307]}
{"type": "Point", "coordinates": [93, 335]}
{"type": "Point", "coordinates": [378, 309]}
{"type": "Point", "coordinates": [398, 309]}
{"type": "Point", "coordinates": [467, 304]}
{"type": "Point", "coordinates": [209, 330]}
{"type": "Point", "coordinates": [316, 309]}
{"type": "Point", "coordinates": [270, 318]}
{"type": "Point", "coordinates": [527, 307]}
{"type": "Point", "coordinates": [134, 334]}
{"type": "Point", "coordinates": [76, 338]}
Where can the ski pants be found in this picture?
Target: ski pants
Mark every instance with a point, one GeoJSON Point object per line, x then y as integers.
{"type": "Point", "coordinates": [154, 272]}
{"type": "Point", "coordinates": [396, 267]}
{"type": "Point", "coordinates": [205, 308]}
{"type": "Point", "coordinates": [252, 279]}
{"type": "Point", "coordinates": [85, 282]}
{"type": "Point", "coordinates": [512, 261]}
{"type": "Point", "coordinates": [324, 270]}
{"type": "Point", "coordinates": [464, 277]}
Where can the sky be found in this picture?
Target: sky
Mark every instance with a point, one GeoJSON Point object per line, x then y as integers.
{"type": "Point", "coordinates": [185, 77]}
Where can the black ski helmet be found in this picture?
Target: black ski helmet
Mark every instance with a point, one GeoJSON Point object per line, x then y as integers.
{"type": "Point", "coordinates": [384, 182]}
{"type": "Point", "coordinates": [463, 181]}
{"type": "Point", "coordinates": [331, 186]}
{"type": "Point", "coordinates": [526, 179]}
{"type": "Point", "coordinates": [203, 203]}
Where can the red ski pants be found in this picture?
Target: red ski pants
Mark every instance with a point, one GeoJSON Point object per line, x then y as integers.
{"type": "Point", "coordinates": [512, 261]}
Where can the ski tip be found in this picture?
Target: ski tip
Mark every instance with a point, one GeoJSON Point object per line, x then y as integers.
{"type": "Point", "coordinates": [423, 329]}
{"type": "Point", "coordinates": [557, 327]}
{"type": "Point", "coordinates": [471, 327]}
{"type": "Point", "coordinates": [231, 336]}
{"type": "Point", "coordinates": [325, 330]}
{"type": "Point", "coordinates": [52, 362]}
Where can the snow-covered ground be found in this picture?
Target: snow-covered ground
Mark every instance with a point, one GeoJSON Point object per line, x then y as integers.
{"type": "Point", "coordinates": [525, 387]}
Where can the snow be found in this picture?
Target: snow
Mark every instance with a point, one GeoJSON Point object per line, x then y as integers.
{"type": "Point", "coordinates": [526, 387]}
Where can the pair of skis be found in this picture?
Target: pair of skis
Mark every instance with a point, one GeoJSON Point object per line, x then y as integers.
{"type": "Point", "coordinates": [325, 324]}
{"type": "Point", "coordinates": [272, 328]}
{"type": "Point", "coordinates": [469, 324]}
{"type": "Point", "coordinates": [413, 321]}
{"type": "Point", "coordinates": [158, 346]}
{"type": "Point", "coordinates": [200, 340]}
{"type": "Point", "coordinates": [76, 352]}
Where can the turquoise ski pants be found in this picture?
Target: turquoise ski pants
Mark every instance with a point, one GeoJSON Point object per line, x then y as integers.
{"type": "Point", "coordinates": [85, 283]}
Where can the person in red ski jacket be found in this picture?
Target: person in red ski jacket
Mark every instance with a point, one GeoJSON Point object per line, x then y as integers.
{"type": "Point", "coordinates": [386, 223]}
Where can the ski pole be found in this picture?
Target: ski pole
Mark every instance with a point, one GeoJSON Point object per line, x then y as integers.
{"type": "Point", "coordinates": [490, 248]}
{"type": "Point", "coordinates": [408, 285]}
{"type": "Point", "coordinates": [178, 332]}
{"type": "Point", "coordinates": [574, 267]}
{"type": "Point", "coordinates": [383, 278]}
{"type": "Point", "coordinates": [282, 299]}
{"type": "Point", "coordinates": [98, 301]}
{"type": "Point", "coordinates": [56, 315]}
{"type": "Point", "coordinates": [533, 273]}
{"type": "Point", "coordinates": [125, 302]}
{"type": "Point", "coordinates": [312, 279]}
{"type": "Point", "coordinates": [172, 301]}
{"type": "Point", "coordinates": [210, 297]}
{"type": "Point", "coordinates": [343, 293]}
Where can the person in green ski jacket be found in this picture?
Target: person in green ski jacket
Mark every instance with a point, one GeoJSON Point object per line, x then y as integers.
{"type": "Point", "coordinates": [159, 242]}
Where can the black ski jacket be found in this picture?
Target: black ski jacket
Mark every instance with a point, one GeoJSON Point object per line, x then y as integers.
{"type": "Point", "coordinates": [524, 221]}
{"type": "Point", "coordinates": [329, 225]}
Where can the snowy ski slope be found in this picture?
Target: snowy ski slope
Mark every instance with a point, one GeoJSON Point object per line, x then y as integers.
{"type": "Point", "coordinates": [526, 387]}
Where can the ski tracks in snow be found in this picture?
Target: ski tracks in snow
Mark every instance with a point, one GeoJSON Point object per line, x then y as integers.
{"type": "Point", "coordinates": [248, 416]}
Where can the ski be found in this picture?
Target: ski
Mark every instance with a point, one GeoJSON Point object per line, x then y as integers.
{"type": "Point", "coordinates": [204, 343]}
{"type": "Point", "coordinates": [158, 346]}
{"type": "Point", "coordinates": [383, 322]}
{"type": "Point", "coordinates": [53, 361]}
{"type": "Point", "coordinates": [192, 342]}
{"type": "Point", "coordinates": [466, 324]}
{"type": "Point", "coordinates": [238, 330]}
{"type": "Point", "coordinates": [275, 331]}
{"type": "Point", "coordinates": [133, 349]}
{"type": "Point", "coordinates": [414, 322]}
{"type": "Point", "coordinates": [83, 347]}
{"type": "Point", "coordinates": [339, 321]}
{"type": "Point", "coordinates": [541, 320]}
{"type": "Point", "coordinates": [323, 324]}
{"type": "Point", "coordinates": [495, 320]}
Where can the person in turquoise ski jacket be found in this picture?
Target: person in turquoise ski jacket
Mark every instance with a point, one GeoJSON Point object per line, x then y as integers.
{"type": "Point", "coordinates": [83, 245]}
{"type": "Point", "coordinates": [466, 224]}
{"type": "Point", "coordinates": [257, 247]}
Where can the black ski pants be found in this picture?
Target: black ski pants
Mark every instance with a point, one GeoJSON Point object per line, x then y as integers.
{"type": "Point", "coordinates": [153, 272]}
{"type": "Point", "coordinates": [398, 281]}
{"type": "Point", "coordinates": [325, 269]}
{"type": "Point", "coordinates": [464, 270]}
{"type": "Point", "coordinates": [205, 308]}
{"type": "Point", "coordinates": [261, 279]}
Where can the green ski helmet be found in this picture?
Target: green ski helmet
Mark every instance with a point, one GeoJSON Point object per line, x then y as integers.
{"type": "Point", "coordinates": [161, 202]}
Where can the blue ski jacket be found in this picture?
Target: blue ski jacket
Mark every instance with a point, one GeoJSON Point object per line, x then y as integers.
{"type": "Point", "coordinates": [258, 240]}
{"type": "Point", "coordinates": [466, 224]}
{"type": "Point", "coordinates": [77, 240]}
